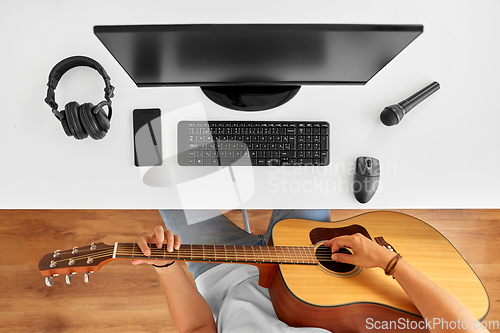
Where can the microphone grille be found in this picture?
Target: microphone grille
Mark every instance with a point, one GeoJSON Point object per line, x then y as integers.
{"type": "Point", "coordinates": [388, 117]}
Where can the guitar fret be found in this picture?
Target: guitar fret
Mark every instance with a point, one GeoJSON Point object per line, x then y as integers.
{"type": "Point", "coordinates": [254, 255]}
{"type": "Point", "coordinates": [308, 256]}
{"type": "Point", "coordinates": [283, 254]}
{"type": "Point", "coordinates": [313, 258]}
{"type": "Point", "coordinates": [297, 259]}
{"type": "Point", "coordinates": [300, 254]}
{"type": "Point", "coordinates": [303, 261]}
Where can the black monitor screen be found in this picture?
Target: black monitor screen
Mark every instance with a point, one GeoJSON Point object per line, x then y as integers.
{"type": "Point", "coordinates": [265, 54]}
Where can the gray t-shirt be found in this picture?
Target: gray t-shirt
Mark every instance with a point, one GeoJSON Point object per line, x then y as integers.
{"type": "Point", "coordinates": [239, 304]}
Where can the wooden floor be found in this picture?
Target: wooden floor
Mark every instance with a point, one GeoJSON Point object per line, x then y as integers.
{"type": "Point", "coordinates": [125, 298]}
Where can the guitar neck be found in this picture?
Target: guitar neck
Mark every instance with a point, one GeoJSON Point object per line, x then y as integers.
{"type": "Point", "coordinates": [222, 253]}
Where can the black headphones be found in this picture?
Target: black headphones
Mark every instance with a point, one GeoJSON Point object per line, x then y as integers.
{"type": "Point", "coordinates": [83, 120]}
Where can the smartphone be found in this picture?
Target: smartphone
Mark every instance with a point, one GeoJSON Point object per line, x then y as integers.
{"type": "Point", "coordinates": [147, 137]}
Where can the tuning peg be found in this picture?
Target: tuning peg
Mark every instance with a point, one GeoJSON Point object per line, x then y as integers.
{"type": "Point", "coordinates": [68, 278]}
{"type": "Point", "coordinates": [86, 277]}
{"type": "Point", "coordinates": [49, 281]}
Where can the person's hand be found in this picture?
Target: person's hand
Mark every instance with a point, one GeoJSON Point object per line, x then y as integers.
{"type": "Point", "coordinates": [161, 237]}
{"type": "Point", "coordinates": [365, 252]}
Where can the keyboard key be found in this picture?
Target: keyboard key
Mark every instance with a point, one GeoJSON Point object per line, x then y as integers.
{"type": "Point", "coordinates": [273, 161]}
{"type": "Point", "coordinates": [324, 142]}
{"type": "Point", "coordinates": [288, 153]}
{"type": "Point", "coordinates": [324, 158]}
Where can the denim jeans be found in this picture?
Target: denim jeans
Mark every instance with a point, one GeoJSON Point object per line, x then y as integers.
{"type": "Point", "coordinates": [210, 227]}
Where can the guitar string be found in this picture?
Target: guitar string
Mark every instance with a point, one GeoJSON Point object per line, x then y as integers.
{"type": "Point", "coordinates": [212, 255]}
{"type": "Point", "coordinates": [174, 255]}
{"type": "Point", "coordinates": [130, 245]}
{"type": "Point", "coordinates": [208, 252]}
{"type": "Point", "coordinates": [241, 258]}
{"type": "Point", "coordinates": [240, 255]}
{"type": "Point", "coordinates": [238, 250]}
{"type": "Point", "coordinates": [199, 251]}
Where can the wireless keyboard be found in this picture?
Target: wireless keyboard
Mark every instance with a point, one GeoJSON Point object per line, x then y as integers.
{"type": "Point", "coordinates": [256, 143]}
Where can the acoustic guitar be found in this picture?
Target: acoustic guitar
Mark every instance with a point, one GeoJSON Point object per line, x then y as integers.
{"type": "Point", "coordinates": [307, 288]}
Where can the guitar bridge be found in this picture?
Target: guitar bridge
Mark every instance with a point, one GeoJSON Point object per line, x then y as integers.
{"type": "Point", "coordinates": [381, 241]}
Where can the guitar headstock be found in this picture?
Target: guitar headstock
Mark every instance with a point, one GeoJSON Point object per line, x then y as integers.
{"type": "Point", "coordinates": [86, 259]}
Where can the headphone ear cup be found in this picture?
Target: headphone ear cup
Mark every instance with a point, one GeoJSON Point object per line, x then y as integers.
{"type": "Point", "coordinates": [64, 124]}
{"type": "Point", "coordinates": [89, 122]}
{"type": "Point", "coordinates": [73, 120]}
{"type": "Point", "coordinates": [103, 120]}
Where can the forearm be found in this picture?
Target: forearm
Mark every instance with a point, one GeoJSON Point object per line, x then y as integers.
{"type": "Point", "coordinates": [188, 309]}
{"type": "Point", "coordinates": [431, 300]}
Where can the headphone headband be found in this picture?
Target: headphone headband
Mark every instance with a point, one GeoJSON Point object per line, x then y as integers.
{"type": "Point", "coordinates": [65, 65]}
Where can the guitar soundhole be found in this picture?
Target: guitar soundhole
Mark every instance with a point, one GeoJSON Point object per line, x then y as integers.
{"type": "Point", "coordinates": [324, 256]}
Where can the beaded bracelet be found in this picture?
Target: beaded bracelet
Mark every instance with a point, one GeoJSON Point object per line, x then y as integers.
{"type": "Point", "coordinates": [166, 265]}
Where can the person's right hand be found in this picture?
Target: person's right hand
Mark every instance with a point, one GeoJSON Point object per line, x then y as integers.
{"type": "Point", "coordinates": [161, 237]}
{"type": "Point", "coordinates": [365, 252]}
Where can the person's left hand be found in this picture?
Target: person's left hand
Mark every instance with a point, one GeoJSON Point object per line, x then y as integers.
{"type": "Point", "coordinates": [161, 237]}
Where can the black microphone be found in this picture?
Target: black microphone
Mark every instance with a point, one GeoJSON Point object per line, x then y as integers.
{"type": "Point", "coordinates": [393, 114]}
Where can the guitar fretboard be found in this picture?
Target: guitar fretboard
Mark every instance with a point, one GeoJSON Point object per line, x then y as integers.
{"type": "Point", "coordinates": [223, 253]}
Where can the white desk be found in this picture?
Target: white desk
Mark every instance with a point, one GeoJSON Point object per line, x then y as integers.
{"type": "Point", "coordinates": [444, 154]}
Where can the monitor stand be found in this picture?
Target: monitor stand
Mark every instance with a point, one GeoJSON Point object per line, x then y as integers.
{"type": "Point", "coordinates": [250, 98]}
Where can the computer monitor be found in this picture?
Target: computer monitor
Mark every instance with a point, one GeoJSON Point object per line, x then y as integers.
{"type": "Point", "coordinates": [254, 67]}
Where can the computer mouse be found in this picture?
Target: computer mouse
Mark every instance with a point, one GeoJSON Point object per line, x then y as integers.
{"type": "Point", "coordinates": [366, 178]}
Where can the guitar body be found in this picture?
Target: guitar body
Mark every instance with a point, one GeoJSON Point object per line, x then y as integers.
{"type": "Point", "coordinates": [307, 288]}
{"type": "Point", "coordinates": [311, 295]}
